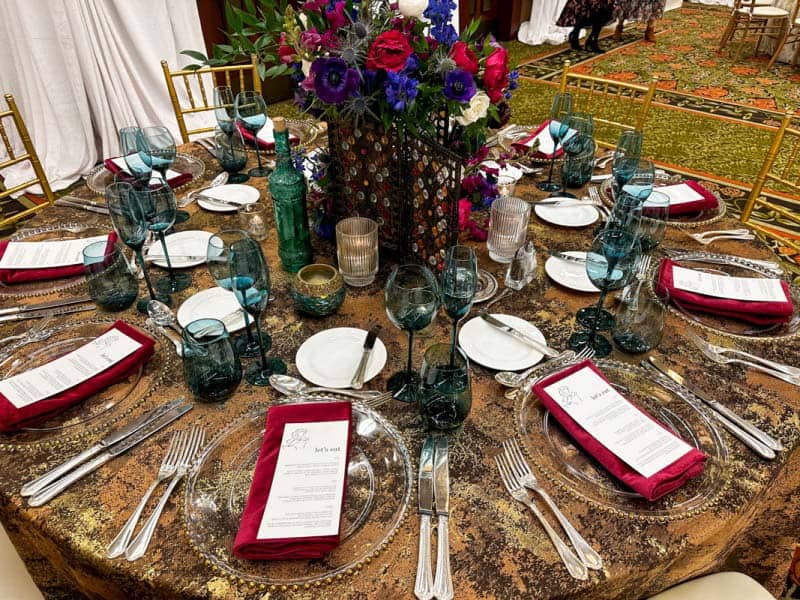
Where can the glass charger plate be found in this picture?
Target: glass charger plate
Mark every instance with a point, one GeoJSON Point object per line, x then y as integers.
{"type": "Point", "coordinates": [687, 221]}
{"type": "Point", "coordinates": [59, 231]}
{"type": "Point", "coordinates": [308, 132]}
{"type": "Point", "coordinates": [95, 413]}
{"type": "Point", "coordinates": [378, 492]}
{"type": "Point", "coordinates": [100, 177]}
{"type": "Point", "coordinates": [566, 465]}
{"type": "Point", "coordinates": [721, 264]}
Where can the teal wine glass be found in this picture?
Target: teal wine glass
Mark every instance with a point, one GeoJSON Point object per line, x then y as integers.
{"type": "Point", "coordinates": [250, 282]}
{"type": "Point", "coordinates": [158, 204]}
{"type": "Point", "coordinates": [210, 364]}
{"type": "Point", "coordinates": [131, 226]}
{"type": "Point", "coordinates": [251, 113]}
{"type": "Point", "coordinates": [560, 111]}
{"type": "Point", "coordinates": [655, 216]}
{"type": "Point", "coordinates": [130, 144]}
{"type": "Point", "coordinates": [217, 256]}
{"type": "Point", "coordinates": [231, 154]}
{"type": "Point", "coordinates": [459, 282]}
{"type": "Point", "coordinates": [159, 151]}
{"type": "Point", "coordinates": [626, 158]}
{"type": "Point", "coordinates": [412, 298]}
{"type": "Point", "coordinates": [445, 394]}
{"type": "Point", "coordinates": [224, 110]}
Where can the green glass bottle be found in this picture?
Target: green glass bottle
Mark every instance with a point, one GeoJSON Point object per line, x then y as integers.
{"type": "Point", "coordinates": [288, 189]}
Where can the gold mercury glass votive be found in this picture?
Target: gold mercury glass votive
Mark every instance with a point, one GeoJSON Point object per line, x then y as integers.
{"type": "Point", "coordinates": [318, 290]}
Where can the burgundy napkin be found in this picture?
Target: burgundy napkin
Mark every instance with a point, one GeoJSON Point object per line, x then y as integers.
{"type": "Point", "coordinates": [122, 175]}
{"type": "Point", "coordinates": [247, 545]}
{"type": "Point", "coordinates": [24, 275]}
{"type": "Point", "coordinates": [758, 312]}
{"type": "Point", "coordinates": [708, 201]}
{"type": "Point", "coordinates": [13, 418]}
{"type": "Point", "coordinates": [666, 480]}
{"type": "Point", "coordinates": [263, 144]}
{"type": "Point", "coordinates": [520, 146]}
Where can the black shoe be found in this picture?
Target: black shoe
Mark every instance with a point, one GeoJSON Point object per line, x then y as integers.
{"type": "Point", "coordinates": [591, 45]}
{"type": "Point", "coordinates": [573, 40]}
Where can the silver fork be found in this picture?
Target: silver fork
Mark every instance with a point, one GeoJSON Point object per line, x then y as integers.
{"type": "Point", "coordinates": [377, 401]}
{"type": "Point", "coordinates": [567, 356]}
{"type": "Point", "coordinates": [139, 544]}
{"type": "Point", "coordinates": [36, 333]}
{"type": "Point", "coordinates": [631, 291]}
{"type": "Point", "coordinates": [707, 237]}
{"type": "Point", "coordinates": [169, 464]}
{"type": "Point", "coordinates": [525, 476]}
{"type": "Point", "coordinates": [594, 196]}
{"type": "Point", "coordinates": [575, 567]}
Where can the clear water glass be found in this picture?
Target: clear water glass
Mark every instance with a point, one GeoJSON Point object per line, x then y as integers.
{"type": "Point", "coordinates": [111, 284]}
{"type": "Point", "coordinates": [357, 250]}
{"type": "Point", "coordinates": [508, 228]}
{"type": "Point", "coordinates": [444, 398]}
{"type": "Point", "coordinates": [211, 366]}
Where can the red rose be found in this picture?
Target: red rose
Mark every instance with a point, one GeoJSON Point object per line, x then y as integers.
{"type": "Point", "coordinates": [285, 52]}
{"type": "Point", "coordinates": [495, 76]}
{"type": "Point", "coordinates": [464, 57]}
{"type": "Point", "coordinates": [389, 51]}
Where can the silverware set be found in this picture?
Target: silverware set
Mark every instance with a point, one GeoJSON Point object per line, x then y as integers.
{"type": "Point", "coordinates": [83, 204]}
{"type": "Point", "coordinates": [566, 358]}
{"type": "Point", "coordinates": [291, 386]}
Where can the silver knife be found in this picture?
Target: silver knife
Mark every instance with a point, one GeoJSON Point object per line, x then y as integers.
{"type": "Point", "coordinates": [35, 314]}
{"type": "Point", "coordinates": [94, 209]}
{"type": "Point", "coordinates": [220, 201]}
{"type": "Point", "coordinates": [361, 370]}
{"type": "Point", "coordinates": [738, 427]}
{"type": "Point", "coordinates": [535, 344]}
{"type": "Point", "coordinates": [32, 487]}
{"type": "Point", "coordinates": [84, 201]}
{"type": "Point", "coordinates": [423, 586]}
{"type": "Point", "coordinates": [443, 583]}
{"type": "Point", "coordinates": [567, 257]}
{"type": "Point", "coordinates": [45, 305]}
{"type": "Point", "coordinates": [60, 485]}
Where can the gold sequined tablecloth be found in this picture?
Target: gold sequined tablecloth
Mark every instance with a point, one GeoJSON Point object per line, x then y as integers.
{"type": "Point", "coordinates": [497, 548]}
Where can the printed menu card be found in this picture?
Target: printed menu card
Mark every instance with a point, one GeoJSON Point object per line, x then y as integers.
{"type": "Point", "coordinates": [629, 443]}
{"type": "Point", "coordinates": [295, 502]}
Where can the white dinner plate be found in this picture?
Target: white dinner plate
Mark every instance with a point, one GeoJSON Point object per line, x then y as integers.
{"type": "Point", "coordinates": [569, 274]}
{"type": "Point", "coordinates": [329, 358]}
{"type": "Point", "coordinates": [186, 249]}
{"type": "Point", "coordinates": [601, 178]}
{"type": "Point", "coordinates": [567, 216]}
{"type": "Point", "coordinates": [494, 349]}
{"type": "Point", "coordinates": [213, 303]}
{"type": "Point", "coordinates": [508, 170]}
{"type": "Point", "coordinates": [233, 192]}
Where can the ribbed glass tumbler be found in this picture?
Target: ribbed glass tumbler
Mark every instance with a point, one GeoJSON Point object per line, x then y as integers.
{"type": "Point", "coordinates": [357, 250]}
{"type": "Point", "coordinates": [508, 228]}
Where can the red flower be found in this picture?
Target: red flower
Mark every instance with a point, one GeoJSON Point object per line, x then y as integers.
{"type": "Point", "coordinates": [495, 76]}
{"type": "Point", "coordinates": [389, 51]}
{"type": "Point", "coordinates": [464, 57]}
{"type": "Point", "coordinates": [336, 17]}
{"type": "Point", "coordinates": [285, 52]}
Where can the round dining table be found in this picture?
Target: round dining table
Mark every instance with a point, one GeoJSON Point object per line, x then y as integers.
{"type": "Point", "coordinates": [497, 549]}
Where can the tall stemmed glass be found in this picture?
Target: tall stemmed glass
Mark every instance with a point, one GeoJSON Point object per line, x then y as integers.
{"type": "Point", "coordinates": [159, 151]}
{"type": "Point", "coordinates": [131, 227]}
{"type": "Point", "coordinates": [459, 281]}
{"type": "Point", "coordinates": [130, 144]}
{"type": "Point", "coordinates": [159, 208]}
{"type": "Point", "coordinates": [251, 283]}
{"type": "Point", "coordinates": [412, 298]}
{"type": "Point", "coordinates": [231, 154]}
{"type": "Point", "coordinates": [626, 158]}
{"type": "Point", "coordinates": [655, 215]}
{"type": "Point", "coordinates": [560, 111]}
{"type": "Point", "coordinates": [608, 265]}
{"type": "Point", "coordinates": [224, 110]}
{"type": "Point", "coordinates": [251, 112]}
{"type": "Point", "coordinates": [217, 256]}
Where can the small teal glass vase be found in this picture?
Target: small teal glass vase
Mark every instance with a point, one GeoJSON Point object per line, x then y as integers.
{"type": "Point", "coordinates": [210, 364]}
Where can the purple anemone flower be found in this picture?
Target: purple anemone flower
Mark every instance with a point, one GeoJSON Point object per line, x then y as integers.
{"type": "Point", "coordinates": [459, 86]}
{"type": "Point", "coordinates": [333, 81]}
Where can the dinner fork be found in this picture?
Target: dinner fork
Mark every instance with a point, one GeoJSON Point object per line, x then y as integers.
{"type": "Point", "coordinates": [707, 237]}
{"type": "Point", "coordinates": [575, 567]}
{"type": "Point", "coordinates": [525, 476]}
{"type": "Point", "coordinates": [37, 333]}
{"type": "Point", "coordinates": [169, 464]}
{"type": "Point", "coordinates": [630, 294]}
{"type": "Point", "coordinates": [139, 544]}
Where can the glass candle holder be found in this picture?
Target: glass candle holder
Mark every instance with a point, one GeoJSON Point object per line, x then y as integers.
{"type": "Point", "coordinates": [253, 220]}
{"type": "Point", "coordinates": [111, 284]}
{"type": "Point", "coordinates": [506, 185]}
{"type": "Point", "coordinates": [445, 395]}
{"type": "Point", "coordinates": [318, 290]}
{"type": "Point", "coordinates": [210, 364]}
{"type": "Point", "coordinates": [508, 226]}
{"type": "Point", "coordinates": [357, 250]}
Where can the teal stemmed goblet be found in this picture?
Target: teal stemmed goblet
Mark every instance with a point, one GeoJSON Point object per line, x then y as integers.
{"type": "Point", "coordinates": [626, 158]}
{"type": "Point", "coordinates": [251, 113]}
{"type": "Point", "coordinates": [558, 127]}
{"type": "Point", "coordinates": [159, 151]}
{"type": "Point", "coordinates": [231, 154]}
{"type": "Point", "coordinates": [224, 110]}
{"type": "Point", "coordinates": [130, 144]}
{"type": "Point", "coordinates": [459, 281]}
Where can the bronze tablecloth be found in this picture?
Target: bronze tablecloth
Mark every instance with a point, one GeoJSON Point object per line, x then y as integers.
{"type": "Point", "coordinates": [497, 549]}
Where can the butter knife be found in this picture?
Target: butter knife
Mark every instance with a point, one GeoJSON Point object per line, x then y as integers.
{"type": "Point", "coordinates": [443, 583]}
{"type": "Point", "coordinates": [747, 433]}
{"type": "Point", "coordinates": [423, 586]}
{"type": "Point", "coordinates": [515, 333]}
{"type": "Point", "coordinates": [567, 257]}
{"type": "Point", "coordinates": [54, 489]}
{"type": "Point", "coordinates": [219, 201]}
{"type": "Point", "coordinates": [45, 305]}
{"type": "Point", "coordinates": [35, 314]}
{"type": "Point", "coordinates": [361, 370]}
{"type": "Point", "coordinates": [94, 209]}
{"type": "Point", "coordinates": [41, 482]}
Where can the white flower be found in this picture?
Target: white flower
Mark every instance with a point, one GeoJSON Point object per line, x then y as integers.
{"type": "Point", "coordinates": [306, 67]}
{"type": "Point", "coordinates": [412, 8]}
{"type": "Point", "coordinates": [476, 110]}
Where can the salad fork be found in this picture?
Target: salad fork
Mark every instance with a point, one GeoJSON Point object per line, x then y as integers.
{"type": "Point", "coordinates": [525, 476]}
{"type": "Point", "coordinates": [575, 567]}
{"type": "Point", "coordinates": [717, 354]}
{"type": "Point", "coordinates": [37, 333]}
{"type": "Point", "coordinates": [631, 292]}
{"type": "Point", "coordinates": [707, 237]}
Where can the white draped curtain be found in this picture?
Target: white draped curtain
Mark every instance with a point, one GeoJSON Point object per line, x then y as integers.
{"type": "Point", "coordinates": [82, 69]}
{"type": "Point", "coordinates": [541, 27]}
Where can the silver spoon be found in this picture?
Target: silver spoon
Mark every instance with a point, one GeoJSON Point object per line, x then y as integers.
{"type": "Point", "coordinates": [219, 180]}
{"type": "Point", "coordinates": [288, 385]}
{"type": "Point", "coordinates": [163, 315]}
{"type": "Point", "coordinates": [167, 334]}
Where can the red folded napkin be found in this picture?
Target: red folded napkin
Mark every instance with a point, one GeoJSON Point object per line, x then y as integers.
{"type": "Point", "coordinates": [23, 275]}
{"type": "Point", "coordinates": [13, 418]}
{"type": "Point", "coordinates": [757, 312]}
{"type": "Point", "coordinates": [247, 545]}
{"type": "Point", "coordinates": [522, 145]}
{"type": "Point", "coordinates": [263, 144]}
{"type": "Point", "coordinates": [708, 201]}
{"type": "Point", "coordinates": [122, 175]}
{"type": "Point", "coordinates": [666, 480]}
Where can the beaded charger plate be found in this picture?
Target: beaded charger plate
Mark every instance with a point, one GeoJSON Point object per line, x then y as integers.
{"type": "Point", "coordinates": [687, 221]}
{"type": "Point", "coordinates": [57, 232]}
{"type": "Point", "coordinates": [93, 414]}
{"type": "Point", "coordinates": [99, 178]}
{"type": "Point", "coordinates": [379, 484]}
{"type": "Point", "coordinates": [567, 465]}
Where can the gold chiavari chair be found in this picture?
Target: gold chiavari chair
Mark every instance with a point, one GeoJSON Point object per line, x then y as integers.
{"type": "Point", "coordinates": [13, 159]}
{"type": "Point", "coordinates": [791, 35]}
{"type": "Point", "coordinates": [615, 106]}
{"type": "Point", "coordinates": [206, 100]}
{"type": "Point", "coordinates": [754, 19]}
{"type": "Point", "coordinates": [782, 169]}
